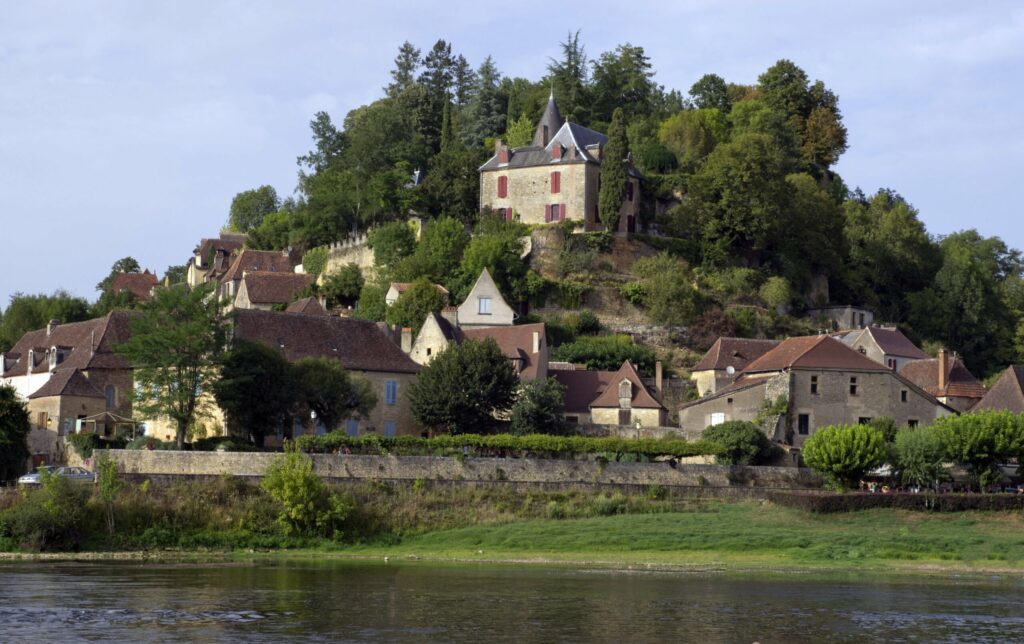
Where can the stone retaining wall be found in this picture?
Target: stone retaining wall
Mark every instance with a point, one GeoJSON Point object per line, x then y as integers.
{"type": "Point", "coordinates": [440, 468]}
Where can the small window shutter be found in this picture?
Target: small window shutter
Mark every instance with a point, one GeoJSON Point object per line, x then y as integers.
{"type": "Point", "coordinates": [561, 212]}
{"type": "Point", "coordinates": [547, 214]}
{"type": "Point", "coordinates": [556, 182]}
{"type": "Point", "coordinates": [502, 187]}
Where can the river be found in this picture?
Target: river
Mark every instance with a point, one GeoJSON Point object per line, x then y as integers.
{"type": "Point", "coordinates": [341, 601]}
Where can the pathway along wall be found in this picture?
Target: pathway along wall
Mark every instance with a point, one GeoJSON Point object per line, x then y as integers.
{"type": "Point", "coordinates": [162, 464]}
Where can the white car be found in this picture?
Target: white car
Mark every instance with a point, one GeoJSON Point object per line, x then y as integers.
{"type": "Point", "coordinates": [74, 474]}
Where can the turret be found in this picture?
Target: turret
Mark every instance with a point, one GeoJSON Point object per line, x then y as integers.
{"type": "Point", "coordinates": [549, 124]}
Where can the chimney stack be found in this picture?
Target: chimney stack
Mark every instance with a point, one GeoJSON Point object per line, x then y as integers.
{"type": "Point", "coordinates": [536, 342]}
{"type": "Point", "coordinates": [658, 379]}
{"type": "Point", "coordinates": [943, 368]}
{"type": "Point", "coordinates": [451, 314]}
{"type": "Point", "coordinates": [406, 340]}
{"type": "Point", "coordinates": [51, 326]}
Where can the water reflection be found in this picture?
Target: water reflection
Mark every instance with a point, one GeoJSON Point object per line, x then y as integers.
{"type": "Point", "coordinates": [343, 601]}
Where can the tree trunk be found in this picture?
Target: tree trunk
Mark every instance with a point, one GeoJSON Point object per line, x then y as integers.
{"type": "Point", "coordinates": [182, 430]}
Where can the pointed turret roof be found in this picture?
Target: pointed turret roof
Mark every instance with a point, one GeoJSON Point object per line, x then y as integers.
{"type": "Point", "coordinates": [552, 120]}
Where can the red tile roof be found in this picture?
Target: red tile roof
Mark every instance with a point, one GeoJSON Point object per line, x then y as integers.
{"type": "Point", "coordinates": [264, 287]}
{"type": "Point", "coordinates": [1007, 394]}
{"type": "Point", "coordinates": [88, 345]}
{"type": "Point", "coordinates": [960, 383]}
{"type": "Point", "coordinates": [67, 382]}
{"type": "Point", "coordinates": [307, 305]}
{"type": "Point", "coordinates": [515, 342]}
{"type": "Point", "coordinates": [892, 342]}
{"type": "Point", "coordinates": [812, 352]}
{"type": "Point", "coordinates": [140, 284]}
{"type": "Point", "coordinates": [358, 344]}
{"type": "Point", "coordinates": [582, 387]}
{"type": "Point", "coordinates": [733, 352]}
{"type": "Point", "coordinates": [258, 260]}
{"type": "Point", "coordinates": [642, 398]}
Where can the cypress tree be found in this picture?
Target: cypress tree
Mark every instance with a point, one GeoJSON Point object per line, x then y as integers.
{"type": "Point", "coordinates": [613, 173]}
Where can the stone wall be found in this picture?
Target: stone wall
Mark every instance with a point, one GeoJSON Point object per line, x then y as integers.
{"type": "Point", "coordinates": [162, 464]}
{"type": "Point", "coordinates": [354, 250]}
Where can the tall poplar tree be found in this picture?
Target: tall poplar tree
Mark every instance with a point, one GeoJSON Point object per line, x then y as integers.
{"type": "Point", "coordinates": [613, 172]}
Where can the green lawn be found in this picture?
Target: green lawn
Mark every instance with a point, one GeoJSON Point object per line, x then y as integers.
{"type": "Point", "coordinates": [740, 534]}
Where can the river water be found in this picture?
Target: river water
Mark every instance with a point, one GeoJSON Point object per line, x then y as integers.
{"type": "Point", "coordinates": [416, 602]}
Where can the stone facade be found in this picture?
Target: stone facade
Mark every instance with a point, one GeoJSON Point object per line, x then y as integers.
{"type": "Point", "coordinates": [354, 250]}
{"type": "Point", "coordinates": [610, 416]}
{"type": "Point", "coordinates": [473, 312]}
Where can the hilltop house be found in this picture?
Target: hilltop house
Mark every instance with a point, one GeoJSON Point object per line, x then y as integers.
{"type": "Point", "coordinates": [948, 380]}
{"type": "Point", "coordinates": [1007, 394]}
{"type": "Point", "coordinates": [249, 261]}
{"type": "Point", "coordinates": [485, 306]}
{"type": "Point", "coordinates": [843, 317]}
{"type": "Point", "coordinates": [212, 258]}
{"type": "Point", "coordinates": [266, 289]}
{"type": "Point", "coordinates": [140, 285]}
{"type": "Point", "coordinates": [556, 177]}
{"type": "Point", "coordinates": [725, 360]}
{"type": "Point", "coordinates": [819, 381]}
{"type": "Point", "coordinates": [611, 397]}
{"type": "Point", "coordinates": [884, 345]}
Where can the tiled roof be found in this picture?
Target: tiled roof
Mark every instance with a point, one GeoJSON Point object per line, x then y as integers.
{"type": "Point", "coordinates": [582, 387]}
{"type": "Point", "coordinates": [307, 305]}
{"type": "Point", "coordinates": [746, 382]}
{"type": "Point", "coordinates": [228, 242]}
{"type": "Point", "coordinates": [258, 260]}
{"type": "Point", "coordinates": [91, 345]}
{"type": "Point", "coordinates": [67, 382]}
{"type": "Point", "coordinates": [265, 287]}
{"type": "Point", "coordinates": [642, 398]}
{"type": "Point", "coordinates": [140, 284]}
{"type": "Point", "coordinates": [1007, 394]}
{"type": "Point", "coordinates": [960, 383]}
{"type": "Point", "coordinates": [893, 343]}
{"type": "Point", "coordinates": [515, 342]}
{"type": "Point", "coordinates": [812, 352]}
{"type": "Point", "coordinates": [734, 352]}
{"type": "Point", "coordinates": [358, 344]}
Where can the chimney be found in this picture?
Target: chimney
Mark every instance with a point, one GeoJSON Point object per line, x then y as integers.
{"type": "Point", "coordinates": [658, 378]}
{"type": "Point", "coordinates": [536, 342]}
{"type": "Point", "coordinates": [51, 326]}
{"type": "Point", "coordinates": [943, 368]}
{"type": "Point", "coordinates": [501, 150]}
{"type": "Point", "coordinates": [406, 340]}
{"type": "Point", "coordinates": [451, 314]}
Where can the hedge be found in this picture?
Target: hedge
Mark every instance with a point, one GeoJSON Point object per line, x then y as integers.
{"type": "Point", "coordinates": [930, 502]}
{"type": "Point", "coordinates": [507, 445]}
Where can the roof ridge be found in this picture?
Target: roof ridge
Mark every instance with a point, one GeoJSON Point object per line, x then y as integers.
{"type": "Point", "coordinates": [817, 341]}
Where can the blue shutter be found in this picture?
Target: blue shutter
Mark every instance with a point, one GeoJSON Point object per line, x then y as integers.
{"type": "Point", "coordinates": [389, 428]}
{"type": "Point", "coordinates": [391, 392]}
{"type": "Point", "coordinates": [352, 427]}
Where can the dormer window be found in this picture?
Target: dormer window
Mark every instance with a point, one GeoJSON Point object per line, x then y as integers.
{"type": "Point", "coordinates": [626, 390]}
{"type": "Point", "coordinates": [556, 152]}
{"type": "Point", "coordinates": [484, 306]}
{"type": "Point", "coordinates": [53, 358]}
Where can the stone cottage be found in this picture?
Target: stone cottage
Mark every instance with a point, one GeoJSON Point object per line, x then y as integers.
{"type": "Point", "coordinates": [611, 397]}
{"type": "Point", "coordinates": [1007, 394]}
{"type": "Point", "coordinates": [946, 378]}
{"type": "Point", "coordinates": [885, 345]}
{"type": "Point", "coordinates": [212, 258]}
{"type": "Point", "coordinates": [724, 361]}
{"type": "Point", "coordinates": [485, 306]}
{"type": "Point", "coordinates": [267, 289]}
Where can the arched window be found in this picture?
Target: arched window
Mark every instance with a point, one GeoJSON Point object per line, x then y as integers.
{"type": "Point", "coordinates": [626, 390]}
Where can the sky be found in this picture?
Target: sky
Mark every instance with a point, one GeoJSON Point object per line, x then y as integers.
{"type": "Point", "coordinates": [126, 128]}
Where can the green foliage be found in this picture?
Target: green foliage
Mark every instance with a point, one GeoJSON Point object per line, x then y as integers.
{"type": "Point", "coordinates": [26, 313]}
{"type": "Point", "coordinates": [732, 285]}
{"type": "Point", "coordinates": [51, 517]}
{"type": "Point", "coordinates": [250, 207]}
{"type": "Point", "coordinates": [14, 430]}
{"type": "Point", "coordinates": [582, 323]}
{"type": "Point", "coordinates": [437, 256]}
{"type": "Point", "coordinates": [391, 243]}
{"type": "Point", "coordinates": [538, 408]}
{"type": "Point", "coordinates": [844, 453]}
{"type": "Point", "coordinates": [371, 304]}
{"type": "Point", "coordinates": [887, 426]}
{"type": "Point", "coordinates": [342, 288]}
{"type": "Point", "coordinates": [711, 91]}
{"type": "Point", "coordinates": [668, 294]}
{"type": "Point", "coordinates": [463, 388]}
{"type": "Point", "coordinates": [256, 390]}
{"type": "Point", "coordinates": [981, 441]}
{"type": "Point", "coordinates": [84, 444]}
{"type": "Point", "coordinates": [918, 455]}
{"type": "Point", "coordinates": [606, 353]}
{"type": "Point", "coordinates": [571, 293]}
{"type": "Point", "coordinates": [175, 345]}
{"type": "Point", "coordinates": [613, 173]}
{"type": "Point", "coordinates": [775, 292]}
{"type": "Point", "coordinates": [412, 308]}
{"type": "Point", "coordinates": [108, 485]}
{"type": "Point", "coordinates": [499, 254]}
{"type": "Point", "coordinates": [325, 388]}
{"type": "Point", "coordinates": [693, 134]}
{"type": "Point", "coordinates": [315, 261]}
{"type": "Point", "coordinates": [520, 132]}
{"type": "Point", "coordinates": [742, 443]}
{"type": "Point", "coordinates": [308, 507]}
{"type": "Point", "coordinates": [150, 443]}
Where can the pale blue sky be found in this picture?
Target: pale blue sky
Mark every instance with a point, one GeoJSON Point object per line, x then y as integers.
{"type": "Point", "coordinates": [127, 127]}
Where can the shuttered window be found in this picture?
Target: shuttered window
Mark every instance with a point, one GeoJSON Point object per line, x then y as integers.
{"type": "Point", "coordinates": [556, 182]}
{"type": "Point", "coordinates": [390, 392]}
{"type": "Point", "coordinates": [502, 187]}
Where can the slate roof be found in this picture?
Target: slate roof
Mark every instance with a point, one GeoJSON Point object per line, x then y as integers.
{"type": "Point", "coordinates": [812, 352]}
{"type": "Point", "coordinates": [359, 345]}
{"type": "Point", "coordinates": [67, 382]}
{"type": "Point", "coordinates": [140, 284]}
{"type": "Point", "coordinates": [551, 118]}
{"type": "Point", "coordinates": [893, 343]}
{"type": "Point", "coordinates": [264, 287]}
{"type": "Point", "coordinates": [734, 352]}
{"type": "Point", "coordinates": [307, 305]}
{"type": "Point", "coordinates": [960, 383]}
{"type": "Point", "coordinates": [249, 260]}
{"type": "Point", "coordinates": [90, 345]}
{"type": "Point", "coordinates": [1007, 394]}
{"type": "Point", "coordinates": [515, 342]}
{"type": "Point", "coordinates": [642, 398]}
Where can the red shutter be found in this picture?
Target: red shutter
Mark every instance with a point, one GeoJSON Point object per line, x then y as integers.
{"type": "Point", "coordinates": [561, 212]}
{"type": "Point", "coordinates": [547, 214]}
{"type": "Point", "coordinates": [556, 182]}
{"type": "Point", "coordinates": [502, 187]}
{"type": "Point", "coordinates": [556, 152]}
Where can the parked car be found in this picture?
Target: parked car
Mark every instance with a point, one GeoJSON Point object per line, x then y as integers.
{"type": "Point", "coordinates": [74, 474]}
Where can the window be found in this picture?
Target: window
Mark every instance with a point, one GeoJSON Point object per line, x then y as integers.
{"type": "Point", "coordinates": [352, 427]}
{"type": "Point", "coordinates": [390, 392]}
{"type": "Point", "coordinates": [389, 428]}
{"type": "Point", "coordinates": [624, 416]}
{"type": "Point", "coordinates": [728, 401]}
{"type": "Point", "coordinates": [111, 395]}
{"type": "Point", "coordinates": [626, 390]}
{"type": "Point", "coordinates": [42, 419]}
{"type": "Point", "coordinates": [892, 363]}
{"type": "Point", "coordinates": [717, 418]}
{"type": "Point", "coordinates": [484, 305]}
{"type": "Point", "coordinates": [502, 187]}
{"type": "Point", "coordinates": [903, 395]}
{"type": "Point", "coordinates": [861, 320]}
{"type": "Point", "coordinates": [554, 212]}
{"type": "Point", "coordinates": [912, 423]}
{"type": "Point", "coordinates": [556, 182]}
{"type": "Point", "coordinates": [803, 424]}
{"type": "Point", "coordinates": [814, 384]}
{"type": "Point", "coordinates": [629, 191]}
{"type": "Point", "coordinates": [853, 386]}
{"type": "Point", "coordinates": [864, 420]}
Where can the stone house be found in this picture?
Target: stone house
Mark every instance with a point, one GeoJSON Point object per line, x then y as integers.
{"type": "Point", "coordinates": [362, 347]}
{"type": "Point", "coordinates": [438, 331]}
{"type": "Point", "coordinates": [842, 317]}
{"type": "Point", "coordinates": [485, 306]}
{"type": "Point", "coordinates": [947, 379]}
{"type": "Point", "coordinates": [140, 285]}
{"type": "Point", "coordinates": [1007, 394]}
{"type": "Point", "coordinates": [396, 289]}
{"type": "Point", "coordinates": [885, 345]}
{"type": "Point", "coordinates": [248, 261]}
{"type": "Point", "coordinates": [817, 381]}
{"type": "Point", "coordinates": [212, 258]}
{"type": "Point", "coordinates": [266, 289]}
{"type": "Point", "coordinates": [555, 178]}
{"type": "Point", "coordinates": [724, 361]}
{"type": "Point", "coordinates": [611, 397]}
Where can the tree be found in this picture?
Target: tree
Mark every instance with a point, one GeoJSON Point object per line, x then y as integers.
{"type": "Point", "coordinates": [26, 313]}
{"type": "Point", "coordinates": [452, 184]}
{"type": "Point", "coordinates": [438, 253]}
{"type": "Point", "coordinates": [391, 243]}
{"type": "Point", "coordinates": [407, 62]}
{"type": "Point", "coordinates": [463, 81]}
{"type": "Point", "coordinates": [981, 441]}
{"type": "Point", "coordinates": [919, 455]}
{"type": "Point", "coordinates": [343, 287]}
{"type": "Point", "coordinates": [568, 77]}
{"type": "Point", "coordinates": [308, 507]}
{"type": "Point", "coordinates": [520, 132]}
{"type": "Point", "coordinates": [742, 443]}
{"type": "Point", "coordinates": [412, 308]}
{"type": "Point", "coordinates": [327, 390]}
{"type": "Point", "coordinates": [692, 134]}
{"type": "Point", "coordinates": [775, 292]}
{"type": "Point", "coordinates": [250, 207]}
{"type": "Point", "coordinates": [500, 255]}
{"type": "Point", "coordinates": [176, 274]}
{"type": "Point", "coordinates": [14, 430]}
{"type": "Point", "coordinates": [123, 265]}
{"type": "Point", "coordinates": [538, 408]}
{"type": "Point", "coordinates": [613, 173]}
{"type": "Point", "coordinates": [255, 390]}
{"type": "Point", "coordinates": [485, 114]}
{"type": "Point", "coordinates": [843, 454]}
{"type": "Point", "coordinates": [371, 305]}
{"type": "Point", "coordinates": [464, 388]}
{"type": "Point", "coordinates": [668, 292]}
{"type": "Point", "coordinates": [711, 91]}
{"type": "Point", "coordinates": [811, 240]}
{"type": "Point", "coordinates": [174, 350]}
{"type": "Point", "coordinates": [622, 79]}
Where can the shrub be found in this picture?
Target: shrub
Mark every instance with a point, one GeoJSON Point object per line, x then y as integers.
{"type": "Point", "coordinates": [223, 444]}
{"type": "Point", "coordinates": [668, 292]}
{"type": "Point", "coordinates": [85, 444]}
{"type": "Point", "coordinates": [344, 286]}
{"type": "Point", "coordinates": [583, 323]}
{"type": "Point", "coordinates": [844, 453]}
{"type": "Point", "coordinates": [538, 408]}
{"type": "Point", "coordinates": [51, 517]}
{"type": "Point", "coordinates": [918, 454]}
{"type": "Point", "coordinates": [606, 352]}
{"type": "Point", "coordinates": [775, 292]}
{"type": "Point", "coordinates": [308, 507]}
{"type": "Point", "coordinates": [14, 430]}
{"type": "Point", "coordinates": [743, 443]}
{"type": "Point", "coordinates": [314, 261]}
{"type": "Point", "coordinates": [981, 441]}
{"type": "Point", "coordinates": [108, 485]}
